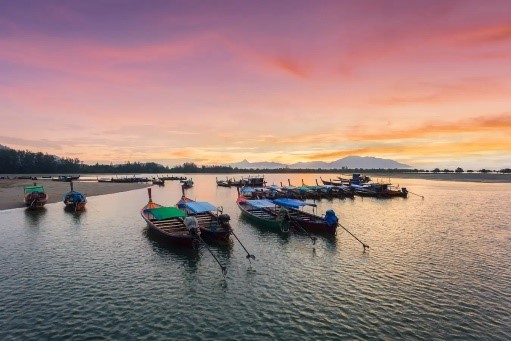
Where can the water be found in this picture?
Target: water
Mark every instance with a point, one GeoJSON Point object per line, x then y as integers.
{"type": "Point", "coordinates": [437, 268]}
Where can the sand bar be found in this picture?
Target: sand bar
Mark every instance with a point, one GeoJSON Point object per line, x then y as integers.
{"type": "Point", "coordinates": [11, 191]}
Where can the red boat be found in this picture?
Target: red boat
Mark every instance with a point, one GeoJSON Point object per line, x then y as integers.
{"type": "Point", "coordinates": [35, 197]}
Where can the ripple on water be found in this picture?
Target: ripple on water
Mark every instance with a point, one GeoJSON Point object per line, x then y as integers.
{"type": "Point", "coordinates": [437, 269]}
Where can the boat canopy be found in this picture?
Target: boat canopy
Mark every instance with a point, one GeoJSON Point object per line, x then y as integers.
{"type": "Point", "coordinates": [292, 203]}
{"type": "Point", "coordinates": [199, 206]}
{"type": "Point", "coordinates": [30, 189]}
{"type": "Point", "coordinates": [74, 194]}
{"type": "Point", "coordinates": [261, 203]}
{"type": "Point", "coordinates": [166, 212]}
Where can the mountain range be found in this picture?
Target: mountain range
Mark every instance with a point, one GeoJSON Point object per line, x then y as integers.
{"type": "Point", "coordinates": [349, 162]}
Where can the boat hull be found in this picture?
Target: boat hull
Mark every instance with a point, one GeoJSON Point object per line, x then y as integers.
{"type": "Point", "coordinates": [35, 200]}
{"type": "Point", "coordinates": [179, 237]}
{"type": "Point", "coordinates": [273, 223]}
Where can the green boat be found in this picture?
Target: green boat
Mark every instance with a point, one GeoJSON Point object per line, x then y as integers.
{"type": "Point", "coordinates": [260, 213]}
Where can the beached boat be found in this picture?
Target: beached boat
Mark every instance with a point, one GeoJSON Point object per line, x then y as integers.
{"type": "Point", "coordinates": [34, 196]}
{"type": "Point", "coordinates": [66, 178]}
{"type": "Point", "coordinates": [74, 200]}
{"type": "Point", "coordinates": [169, 222]}
{"type": "Point", "coordinates": [309, 221]}
{"type": "Point", "coordinates": [213, 224]}
{"type": "Point", "coordinates": [261, 212]}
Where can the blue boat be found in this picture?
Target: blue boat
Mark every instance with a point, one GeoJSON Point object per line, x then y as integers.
{"type": "Point", "coordinates": [309, 221]}
{"type": "Point", "coordinates": [74, 200]}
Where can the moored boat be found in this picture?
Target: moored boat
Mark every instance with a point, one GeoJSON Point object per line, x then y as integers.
{"type": "Point", "coordinates": [159, 182]}
{"type": "Point", "coordinates": [34, 196]}
{"type": "Point", "coordinates": [213, 224]}
{"type": "Point", "coordinates": [187, 183]}
{"type": "Point", "coordinates": [169, 222]}
{"type": "Point", "coordinates": [74, 200]}
{"type": "Point", "coordinates": [259, 211]}
{"type": "Point", "coordinates": [309, 221]}
{"type": "Point", "coordinates": [379, 190]}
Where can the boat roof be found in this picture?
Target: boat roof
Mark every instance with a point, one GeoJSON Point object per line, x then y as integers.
{"type": "Point", "coordinates": [293, 203]}
{"type": "Point", "coordinates": [166, 212]}
{"type": "Point", "coordinates": [30, 189]}
{"type": "Point", "coordinates": [261, 203]}
{"type": "Point", "coordinates": [199, 206]}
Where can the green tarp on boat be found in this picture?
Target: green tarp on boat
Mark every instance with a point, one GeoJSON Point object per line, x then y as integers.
{"type": "Point", "coordinates": [30, 189]}
{"type": "Point", "coordinates": [160, 213]}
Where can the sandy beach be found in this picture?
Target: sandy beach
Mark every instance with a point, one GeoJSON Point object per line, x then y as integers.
{"type": "Point", "coordinates": [11, 191]}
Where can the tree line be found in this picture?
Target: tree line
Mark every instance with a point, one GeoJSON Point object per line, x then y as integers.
{"type": "Point", "coordinates": [26, 162]}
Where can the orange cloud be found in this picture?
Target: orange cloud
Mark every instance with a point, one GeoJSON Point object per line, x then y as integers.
{"type": "Point", "coordinates": [469, 89]}
{"type": "Point", "coordinates": [497, 123]}
{"type": "Point", "coordinates": [491, 34]}
{"type": "Point", "coordinates": [291, 66]}
{"type": "Point", "coordinates": [458, 150]}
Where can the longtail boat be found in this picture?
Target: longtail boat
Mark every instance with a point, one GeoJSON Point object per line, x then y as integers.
{"type": "Point", "coordinates": [309, 221]}
{"type": "Point", "coordinates": [187, 183]}
{"type": "Point", "coordinates": [159, 182]}
{"type": "Point", "coordinates": [169, 222]}
{"type": "Point", "coordinates": [213, 224]}
{"type": "Point", "coordinates": [34, 196]}
{"type": "Point", "coordinates": [74, 200]}
{"type": "Point", "coordinates": [258, 211]}
{"type": "Point", "coordinates": [379, 190]}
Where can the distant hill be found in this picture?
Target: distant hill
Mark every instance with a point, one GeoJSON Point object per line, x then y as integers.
{"type": "Point", "coordinates": [261, 165]}
{"type": "Point", "coordinates": [350, 162]}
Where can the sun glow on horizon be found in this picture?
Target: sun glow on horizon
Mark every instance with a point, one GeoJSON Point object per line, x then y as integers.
{"type": "Point", "coordinates": [422, 83]}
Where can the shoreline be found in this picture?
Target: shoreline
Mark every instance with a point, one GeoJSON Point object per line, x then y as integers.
{"type": "Point", "coordinates": [11, 190]}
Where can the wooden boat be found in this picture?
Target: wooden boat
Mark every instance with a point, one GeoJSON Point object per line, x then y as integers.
{"type": "Point", "coordinates": [74, 200]}
{"type": "Point", "coordinates": [379, 190]}
{"type": "Point", "coordinates": [66, 178]}
{"type": "Point", "coordinates": [228, 182]}
{"type": "Point", "coordinates": [169, 222]}
{"type": "Point", "coordinates": [260, 212]}
{"type": "Point", "coordinates": [254, 181]}
{"type": "Point", "coordinates": [187, 183]}
{"type": "Point", "coordinates": [309, 221]}
{"type": "Point", "coordinates": [34, 196]}
{"type": "Point", "coordinates": [212, 223]}
{"type": "Point", "coordinates": [159, 182]}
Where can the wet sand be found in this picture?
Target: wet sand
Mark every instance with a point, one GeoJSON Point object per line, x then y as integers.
{"type": "Point", "coordinates": [11, 191]}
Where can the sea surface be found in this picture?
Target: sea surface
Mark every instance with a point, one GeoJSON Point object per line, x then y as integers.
{"type": "Point", "coordinates": [437, 268]}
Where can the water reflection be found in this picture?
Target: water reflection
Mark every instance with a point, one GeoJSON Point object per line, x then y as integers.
{"type": "Point", "coordinates": [76, 215]}
{"type": "Point", "coordinates": [165, 248]}
{"type": "Point", "coordinates": [33, 217]}
{"type": "Point", "coordinates": [263, 230]}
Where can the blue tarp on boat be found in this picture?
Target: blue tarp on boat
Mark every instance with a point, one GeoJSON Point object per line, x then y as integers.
{"type": "Point", "coordinates": [199, 206]}
{"type": "Point", "coordinates": [293, 203]}
{"type": "Point", "coordinates": [261, 203]}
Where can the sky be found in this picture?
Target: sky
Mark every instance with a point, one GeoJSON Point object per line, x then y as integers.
{"type": "Point", "coordinates": [426, 83]}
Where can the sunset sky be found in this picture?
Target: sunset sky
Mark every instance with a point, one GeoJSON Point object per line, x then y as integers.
{"type": "Point", "coordinates": [427, 83]}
